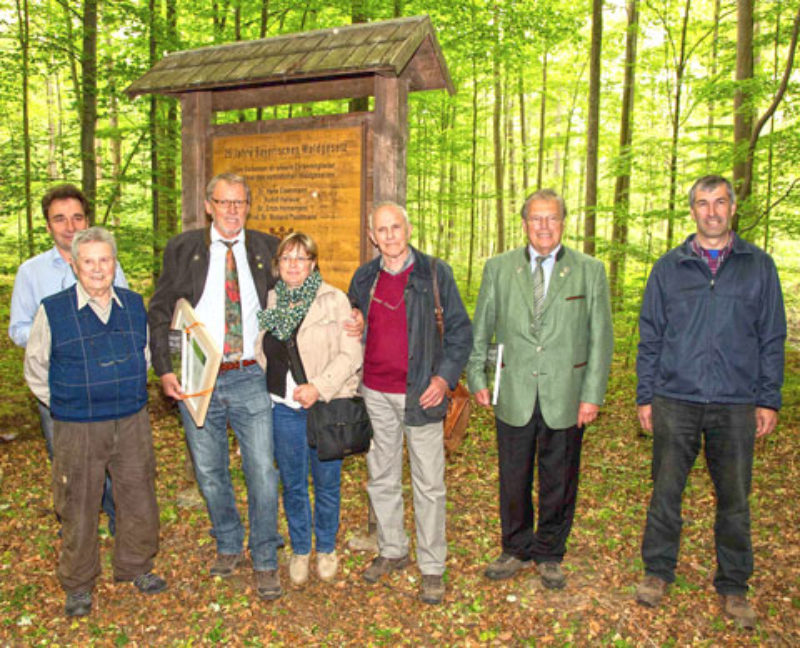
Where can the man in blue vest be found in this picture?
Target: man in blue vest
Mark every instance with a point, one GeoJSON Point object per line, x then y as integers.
{"type": "Point", "coordinates": [86, 359]}
{"type": "Point", "coordinates": [66, 212]}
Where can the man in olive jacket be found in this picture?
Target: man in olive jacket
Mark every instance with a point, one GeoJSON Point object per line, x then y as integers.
{"type": "Point", "coordinates": [549, 307]}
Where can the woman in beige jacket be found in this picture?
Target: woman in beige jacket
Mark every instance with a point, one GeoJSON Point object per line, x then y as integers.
{"type": "Point", "coordinates": [305, 317]}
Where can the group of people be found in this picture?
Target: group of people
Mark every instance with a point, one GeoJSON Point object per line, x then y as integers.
{"type": "Point", "coordinates": [710, 370]}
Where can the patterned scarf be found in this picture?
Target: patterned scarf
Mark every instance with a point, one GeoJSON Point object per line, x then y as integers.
{"type": "Point", "coordinates": [292, 307]}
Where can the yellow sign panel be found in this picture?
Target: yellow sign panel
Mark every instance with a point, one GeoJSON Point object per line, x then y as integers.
{"type": "Point", "coordinates": [308, 181]}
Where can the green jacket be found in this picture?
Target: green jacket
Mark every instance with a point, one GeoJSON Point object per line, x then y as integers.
{"type": "Point", "coordinates": [567, 361]}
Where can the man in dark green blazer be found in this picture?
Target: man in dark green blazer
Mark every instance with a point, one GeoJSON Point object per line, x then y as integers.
{"type": "Point", "coordinates": [549, 307]}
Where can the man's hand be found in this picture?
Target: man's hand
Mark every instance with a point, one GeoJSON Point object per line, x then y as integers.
{"type": "Point", "coordinates": [766, 420]}
{"type": "Point", "coordinates": [354, 327]}
{"type": "Point", "coordinates": [434, 394]}
{"type": "Point", "coordinates": [646, 417]}
{"type": "Point", "coordinates": [482, 397]}
{"type": "Point", "coordinates": [306, 395]}
{"type": "Point", "coordinates": [587, 412]}
{"type": "Point", "coordinates": [171, 386]}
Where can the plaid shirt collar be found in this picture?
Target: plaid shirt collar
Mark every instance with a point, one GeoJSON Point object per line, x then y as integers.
{"type": "Point", "coordinates": [714, 262]}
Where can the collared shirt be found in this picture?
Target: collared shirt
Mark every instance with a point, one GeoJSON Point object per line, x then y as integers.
{"type": "Point", "coordinates": [37, 278]}
{"type": "Point", "coordinates": [547, 265]}
{"type": "Point", "coordinates": [37, 352]}
{"type": "Point", "coordinates": [409, 260]}
{"type": "Point", "coordinates": [211, 308]}
{"type": "Point", "coordinates": [713, 258]}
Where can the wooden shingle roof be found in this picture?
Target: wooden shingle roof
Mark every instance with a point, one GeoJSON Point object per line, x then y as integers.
{"type": "Point", "coordinates": [391, 47]}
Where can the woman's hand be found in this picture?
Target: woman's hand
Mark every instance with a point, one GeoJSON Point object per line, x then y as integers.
{"type": "Point", "coordinates": [306, 395]}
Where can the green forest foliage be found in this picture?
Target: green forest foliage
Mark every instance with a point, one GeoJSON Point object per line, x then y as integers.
{"type": "Point", "coordinates": [516, 61]}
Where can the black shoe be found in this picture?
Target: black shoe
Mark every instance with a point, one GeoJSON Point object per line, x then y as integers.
{"type": "Point", "coordinates": [78, 604]}
{"type": "Point", "coordinates": [149, 583]}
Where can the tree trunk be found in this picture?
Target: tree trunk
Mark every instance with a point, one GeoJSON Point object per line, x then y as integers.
{"type": "Point", "coordinates": [23, 20]}
{"type": "Point", "coordinates": [711, 103]}
{"type": "Point", "coordinates": [676, 127]}
{"type": "Point", "coordinates": [619, 236]}
{"type": "Point", "coordinates": [742, 103]}
{"type": "Point", "coordinates": [499, 172]}
{"type": "Point", "coordinates": [523, 133]}
{"type": "Point", "coordinates": [473, 176]}
{"type": "Point", "coordinates": [89, 103]}
{"type": "Point", "coordinates": [542, 116]}
{"type": "Point", "coordinates": [154, 12]}
{"type": "Point", "coordinates": [358, 14]}
{"type": "Point", "coordinates": [593, 130]}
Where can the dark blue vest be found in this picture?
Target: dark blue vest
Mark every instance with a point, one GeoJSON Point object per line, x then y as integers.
{"type": "Point", "coordinates": [97, 371]}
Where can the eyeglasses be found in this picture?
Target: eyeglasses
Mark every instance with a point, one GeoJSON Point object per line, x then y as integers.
{"type": "Point", "coordinates": [225, 204]}
{"type": "Point", "coordinates": [285, 259]}
{"type": "Point", "coordinates": [550, 219]}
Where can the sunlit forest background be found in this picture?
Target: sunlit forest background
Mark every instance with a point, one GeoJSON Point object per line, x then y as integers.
{"type": "Point", "coordinates": [617, 105]}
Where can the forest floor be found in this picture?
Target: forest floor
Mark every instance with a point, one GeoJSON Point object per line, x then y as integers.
{"type": "Point", "coordinates": [602, 563]}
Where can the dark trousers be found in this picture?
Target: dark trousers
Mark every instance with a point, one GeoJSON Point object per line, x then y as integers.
{"type": "Point", "coordinates": [82, 453]}
{"type": "Point", "coordinates": [558, 460]}
{"type": "Point", "coordinates": [679, 428]}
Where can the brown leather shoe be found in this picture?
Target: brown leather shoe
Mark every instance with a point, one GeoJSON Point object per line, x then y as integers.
{"type": "Point", "coordinates": [268, 584]}
{"type": "Point", "coordinates": [382, 566]}
{"type": "Point", "coordinates": [551, 575]}
{"type": "Point", "coordinates": [432, 589]}
{"type": "Point", "coordinates": [650, 591]}
{"type": "Point", "coordinates": [505, 566]}
{"type": "Point", "coordinates": [737, 608]}
{"type": "Point", "coordinates": [225, 564]}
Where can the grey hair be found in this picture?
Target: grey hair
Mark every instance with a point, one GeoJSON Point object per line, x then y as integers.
{"type": "Point", "coordinates": [547, 195]}
{"type": "Point", "coordinates": [709, 183]}
{"type": "Point", "coordinates": [94, 234]}
{"type": "Point", "coordinates": [388, 203]}
{"type": "Point", "coordinates": [230, 178]}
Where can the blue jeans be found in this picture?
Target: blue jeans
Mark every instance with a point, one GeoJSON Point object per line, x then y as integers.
{"type": "Point", "coordinates": [240, 398]}
{"type": "Point", "coordinates": [107, 503]}
{"type": "Point", "coordinates": [294, 456]}
{"type": "Point", "coordinates": [679, 428]}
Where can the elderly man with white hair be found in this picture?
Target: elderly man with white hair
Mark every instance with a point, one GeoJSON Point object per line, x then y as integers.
{"type": "Point", "coordinates": [87, 360]}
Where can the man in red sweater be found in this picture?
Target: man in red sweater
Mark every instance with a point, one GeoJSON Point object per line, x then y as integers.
{"type": "Point", "coordinates": [408, 367]}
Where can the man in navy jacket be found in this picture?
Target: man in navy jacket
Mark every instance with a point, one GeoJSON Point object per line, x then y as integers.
{"type": "Point", "coordinates": [710, 368]}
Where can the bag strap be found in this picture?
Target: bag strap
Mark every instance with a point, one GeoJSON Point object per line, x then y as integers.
{"type": "Point", "coordinates": [438, 311]}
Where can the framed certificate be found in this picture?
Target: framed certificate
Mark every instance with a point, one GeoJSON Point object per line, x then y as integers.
{"type": "Point", "coordinates": [199, 361]}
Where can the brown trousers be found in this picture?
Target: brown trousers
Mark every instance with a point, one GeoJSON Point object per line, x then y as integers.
{"type": "Point", "coordinates": [82, 452]}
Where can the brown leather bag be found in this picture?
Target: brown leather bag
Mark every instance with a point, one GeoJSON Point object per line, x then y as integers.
{"type": "Point", "coordinates": [459, 405]}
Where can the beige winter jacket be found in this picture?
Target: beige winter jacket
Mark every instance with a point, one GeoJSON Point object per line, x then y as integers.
{"type": "Point", "coordinates": [331, 358]}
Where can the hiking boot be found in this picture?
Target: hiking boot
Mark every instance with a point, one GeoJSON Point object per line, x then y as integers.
{"type": "Point", "coordinates": [149, 583]}
{"type": "Point", "coordinates": [650, 591]}
{"type": "Point", "coordinates": [551, 575]}
{"type": "Point", "coordinates": [505, 567]}
{"type": "Point", "coordinates": [268, 584]}
{"type": "Point", "coordinates": [327, 564]}
{"type": "Point", "coordinates": [737, 608]}
{"type": "Point", "coordinates": [225, 564]}
{"type": "Point", "coordinates": [432, 589]}
{"type": "Point", "coordinates": [364, 543]}
{"type": "Point", "coordinates": [78, 604]}
{"type": "Point", "coordinates": [382, 566]}
{"type": "Point", "coordinates": [298, 568]}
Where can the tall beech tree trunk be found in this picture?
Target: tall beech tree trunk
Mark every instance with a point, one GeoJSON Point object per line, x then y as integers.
{"type": "Point", "coordinates": [24, 41]}
{"type": "Point", "coordinates": [619, 236]}
{"type": "Point", "coordinates": [742, 104]}
{"type": "Point", "coordinates": [89, 103]}
{"type": "Point", "coordinates": [473, 176]}
{"type": "Point", "coordinates": [542, 117]}
{"type": "Point", "coordinates": [711, 136]}
{"type": "Point", "coordinates": [593, 130]}
{"type": "Point", "coordinates": [523, 132]}
{"type": "Point", "coordinates": [497, 138]}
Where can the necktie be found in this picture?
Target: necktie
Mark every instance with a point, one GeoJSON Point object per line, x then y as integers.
{"type": "Point", "coordinates": [538, 290]}
{"type": "Point", "coordinates": [232, 347]}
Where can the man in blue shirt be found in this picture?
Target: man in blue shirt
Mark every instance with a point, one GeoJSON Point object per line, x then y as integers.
{"type": "Point", "coordinates": [65, 210]}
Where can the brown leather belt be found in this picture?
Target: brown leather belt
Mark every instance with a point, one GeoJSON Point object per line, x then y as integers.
{"type": "Point", "coordinates": [230, 366]}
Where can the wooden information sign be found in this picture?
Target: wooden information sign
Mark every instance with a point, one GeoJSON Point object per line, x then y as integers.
{"type": "Point", "coordinates": [304, 180]}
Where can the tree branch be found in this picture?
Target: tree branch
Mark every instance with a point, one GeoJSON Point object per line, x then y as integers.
{"type": "Point", "coordinates": [769, 209]}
